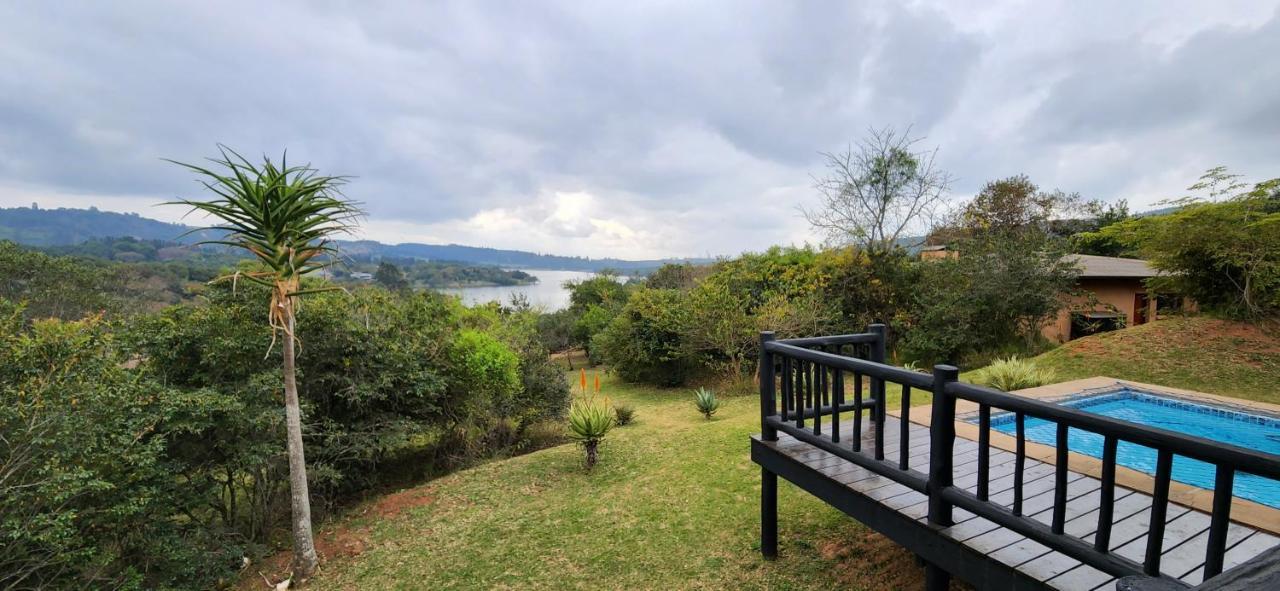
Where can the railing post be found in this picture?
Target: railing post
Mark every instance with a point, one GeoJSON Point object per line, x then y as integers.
{"type": "Point", "coordinates": [768, 514]}
{"type": "Point", "coordinates": [942, 438]}
{"type": "Point", "coordinates": [768, 404]}
{"type": "Point", "coordinates": [877, 387]}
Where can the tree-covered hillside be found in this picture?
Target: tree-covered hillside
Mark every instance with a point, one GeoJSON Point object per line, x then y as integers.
{"type": "Point", "coordinates": [66, 226]}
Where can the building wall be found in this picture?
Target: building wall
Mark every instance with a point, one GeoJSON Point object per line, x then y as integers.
{"type": "Point", "coordinates": [1118, 292]}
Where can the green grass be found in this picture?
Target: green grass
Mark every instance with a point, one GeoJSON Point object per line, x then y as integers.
{"type": "Point", "coordinates": [673, 504]}
{"type": "Point", "coordinates": [1193, 353]}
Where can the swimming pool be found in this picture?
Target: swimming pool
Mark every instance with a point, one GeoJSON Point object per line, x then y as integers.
{"type": "Point", "coordinates": [1247, 430]}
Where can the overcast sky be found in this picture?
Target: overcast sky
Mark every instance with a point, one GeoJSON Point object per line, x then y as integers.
{"type": "Point", "coordinates": [631, 129]}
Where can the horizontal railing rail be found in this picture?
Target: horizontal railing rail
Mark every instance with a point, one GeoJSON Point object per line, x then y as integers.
{"type": "Point", "coordinates": [840, 339]}
{"type": "Point", "coordinates": [806, 381]}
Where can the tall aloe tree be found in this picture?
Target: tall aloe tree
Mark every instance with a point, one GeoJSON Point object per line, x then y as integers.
{"type": "Point", "coordinates": [286, 217]}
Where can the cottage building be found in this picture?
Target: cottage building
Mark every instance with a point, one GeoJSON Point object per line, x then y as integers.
{"type": "Point", "coordinates": [1114, 295]}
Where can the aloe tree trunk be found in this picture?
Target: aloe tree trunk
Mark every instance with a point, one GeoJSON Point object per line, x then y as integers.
{"type": "Point", "coordinates": [304, 548]}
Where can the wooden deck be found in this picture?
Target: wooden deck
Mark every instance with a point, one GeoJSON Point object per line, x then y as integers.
{"type": "Point", "coordinates": [1006, 555]}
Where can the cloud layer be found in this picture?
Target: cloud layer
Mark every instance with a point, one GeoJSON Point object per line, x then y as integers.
{"type": "Point", "coordinates": [626, 129]}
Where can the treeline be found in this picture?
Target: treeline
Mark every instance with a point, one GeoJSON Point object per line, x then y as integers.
{"type": "Point", "coordinates": [127, 249]}
{"type": "Point", "coordinates": [410, 274]}
{"type": "Point", "coordinates": [1005, 277]}
{"type": "Point", "coordinates": [146, 450]}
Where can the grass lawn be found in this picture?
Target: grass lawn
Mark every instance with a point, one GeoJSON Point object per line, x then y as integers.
{"type": "Point", "coordinates": [673, 504]}
{"type": "Point", "coordinates": [1194, 353]}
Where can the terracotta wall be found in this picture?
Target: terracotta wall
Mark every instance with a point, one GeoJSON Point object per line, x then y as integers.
{"type": "Point", "coordinates": [1117, 292]}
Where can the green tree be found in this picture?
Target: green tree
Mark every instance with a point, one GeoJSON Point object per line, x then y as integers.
{"type": "Point", "coordinates": [1221, 248]}
{"type": "Point", "coordinates": [1010, 278]}
{"type": "Point", "coordinates": [390, 276]}
{"type": "Point", "coordinates": [54, 287]}
{"type": "Point", "coordinates": [644, 341]}
{"type": "Point", "coordinates": [286, 217]}
{"type": "Point", "coordinates": [593, 303]}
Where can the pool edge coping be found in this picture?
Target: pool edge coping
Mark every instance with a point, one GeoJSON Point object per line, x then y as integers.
{"type": "Point", "coordinates": [1243, 511]}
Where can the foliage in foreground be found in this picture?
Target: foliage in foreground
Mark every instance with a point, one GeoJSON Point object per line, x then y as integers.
{"type": "Point", "coordinates": [88, 458]}
{"type": "Point", "coordinates": [167, 474]}
{"type": "Point", "coordinates": [1013, 374]}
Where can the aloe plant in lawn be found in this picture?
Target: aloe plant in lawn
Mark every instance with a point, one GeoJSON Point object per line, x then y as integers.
{"type": "Point", "coordinates": [590, 419]}
{"type": "Point", "coordinates": [706, 402]}
{"type": "Point", "coordinates": [286, 217]}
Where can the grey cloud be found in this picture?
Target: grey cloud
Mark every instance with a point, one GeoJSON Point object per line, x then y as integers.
{"type": "Point", "coordinates": [694, 114]}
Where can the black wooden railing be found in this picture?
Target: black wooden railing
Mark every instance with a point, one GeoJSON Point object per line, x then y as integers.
{"type": "Point", "coordinates": [804, 380]}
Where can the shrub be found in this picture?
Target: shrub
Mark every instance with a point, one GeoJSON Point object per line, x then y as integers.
{"type": "Point", "coordinates": [624, 414]}
{"type": "Point", "coordinates": [590, 419]}
{"type": "Point", "coordinates": [644, 342]}
{"type": "Point", "coordinates": [487, 370]}
{"type": "Point", "coordinates": [94, 492]}
{"type": "Point", "coordinates": [1013, 374]}
{"type": "Point", "coordinates": [542, 434]}
{"type": "Point", "coordinates": [706, 402]}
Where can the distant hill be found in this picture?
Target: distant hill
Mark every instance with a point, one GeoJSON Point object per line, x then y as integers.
{"type": "Point", "coordinates": [67, 226]}
{"type": "Point", "coordinates": [62, 227]}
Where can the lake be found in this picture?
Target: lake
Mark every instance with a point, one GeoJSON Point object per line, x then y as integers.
{"type": "Point", "coordinates": [546, 293]}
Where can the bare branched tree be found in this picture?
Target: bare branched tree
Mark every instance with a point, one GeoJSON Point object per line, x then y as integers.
{"type": "Point", "coordinates": [875, 192]}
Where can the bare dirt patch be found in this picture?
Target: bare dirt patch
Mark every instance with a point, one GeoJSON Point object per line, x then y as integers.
{"type": "Point", "coordinates": [871, 561]}
{"type": "Point", "coordinates": [337, 543]}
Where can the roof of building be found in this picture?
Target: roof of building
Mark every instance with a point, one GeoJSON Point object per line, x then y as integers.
{"type": "Point", "coordinates": [1096, 266]}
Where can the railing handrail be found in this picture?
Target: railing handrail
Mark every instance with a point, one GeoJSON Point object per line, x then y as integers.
{"type": "Point", "coordinates": [838, 339]}
{"type": "Point", "coordinates": [882, 371]}
{"type": "Point", "coordinates": [1252, 461]}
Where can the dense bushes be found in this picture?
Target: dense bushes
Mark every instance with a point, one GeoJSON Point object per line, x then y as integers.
{"type": "Point", "coordinates": [685, 321]}
{"type": "Point", "coordinates": [88, 459]}
{"type": "Point", "coordinates": [149, 453]}
{"type": "Point", "coordinates": [643, 341]}
{"type": "Point", "coordinates": [992, 300]}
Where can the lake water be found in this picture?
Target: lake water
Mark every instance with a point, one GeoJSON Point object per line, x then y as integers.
{"type": "Point", "coordinates": [547, 293]}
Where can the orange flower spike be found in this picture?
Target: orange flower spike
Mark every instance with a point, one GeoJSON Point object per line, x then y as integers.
{"type": "Point", "coordinates": [583, 380]}
{"type": "Point", "coordinates": [597, 383]}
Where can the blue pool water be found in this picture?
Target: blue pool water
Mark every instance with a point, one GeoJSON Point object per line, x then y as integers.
{"type": "Point", "coordinates": [1257, 432]}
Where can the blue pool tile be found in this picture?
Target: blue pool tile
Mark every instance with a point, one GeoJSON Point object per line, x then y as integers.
{"type": "Point", "coordinates": [1244, 429]}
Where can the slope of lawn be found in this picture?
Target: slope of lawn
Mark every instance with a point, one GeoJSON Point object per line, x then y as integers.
{"type": "Point", "coordinates": [1194, 353]}
{"type": "Point", "coordinates": [673, 504]}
